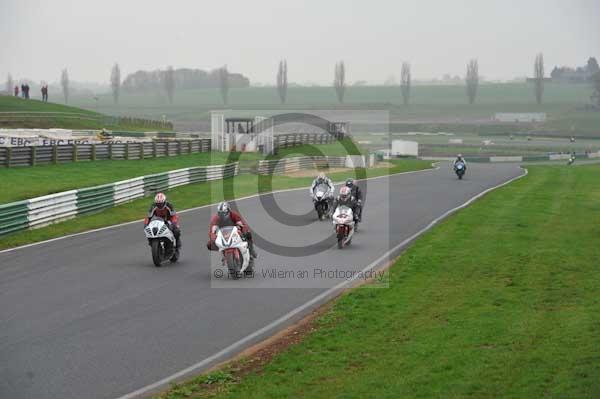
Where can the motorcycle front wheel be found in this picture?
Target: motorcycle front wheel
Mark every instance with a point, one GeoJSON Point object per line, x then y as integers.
{"type": "Point", "coordinates": [233, 265]}
{"type": "Point", "coordinates": [340, 240]}
{"type": "Point", "coordinates": [157, 255]}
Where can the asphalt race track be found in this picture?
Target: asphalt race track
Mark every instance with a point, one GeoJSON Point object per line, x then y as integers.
{"type": "Point", "coordinates": [89, 316]}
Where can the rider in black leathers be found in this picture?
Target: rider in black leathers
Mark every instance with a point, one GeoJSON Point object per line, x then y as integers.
{"type": "Point", "coordinates": [356, 192]}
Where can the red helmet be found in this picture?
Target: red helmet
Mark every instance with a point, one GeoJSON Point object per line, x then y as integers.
{"type": "Point", "coordinates": [160, 200]}
{"type": "Point", "coordinates": [345, 193]}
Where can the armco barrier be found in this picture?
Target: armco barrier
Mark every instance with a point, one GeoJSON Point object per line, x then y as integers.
{"type": "Point", "coordinates": [43, 155]}
{"type": "Point", "coordinates": [52, 208]}
{"type": "Point", "coordinates": [294, 139]}
{"type": "Point", "coordinates": [287, 165]}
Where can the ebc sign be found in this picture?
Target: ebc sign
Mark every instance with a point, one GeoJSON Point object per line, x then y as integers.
{"type": "Point", "coordinates": [19, 141]}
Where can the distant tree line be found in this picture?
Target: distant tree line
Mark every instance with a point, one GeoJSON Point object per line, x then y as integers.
{"type": "Point", "coordinates": [579, 74]}
{"type": "Point", "coordinates": [184, 78]}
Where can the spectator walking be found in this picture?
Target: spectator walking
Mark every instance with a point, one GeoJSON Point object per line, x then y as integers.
{"type": "Point", "coordinates": [27, 90]}
{"type": "Point", "coordinates": [16, 90]}
{"type": "Point", "coordinates": [23, 90]}
{"type": "Point", "coordinates": [45, 93]}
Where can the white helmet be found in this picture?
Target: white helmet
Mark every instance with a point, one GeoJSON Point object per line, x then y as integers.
{"type": "Point", "coordinates": [160, 200]}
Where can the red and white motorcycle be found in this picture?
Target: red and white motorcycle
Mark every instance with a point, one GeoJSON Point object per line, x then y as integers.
{"type": "Point", "coordinates": [343, 221]}
{"type": "Point", "coordinates": [234, 250]}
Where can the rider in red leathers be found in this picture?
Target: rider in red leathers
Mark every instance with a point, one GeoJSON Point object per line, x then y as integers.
{"type": "Point", "coordinates": [227, 217]}
{"type": "Point", "coordinates": [163, 209]}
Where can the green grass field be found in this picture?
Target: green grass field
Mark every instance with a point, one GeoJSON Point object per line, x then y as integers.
{"type": "Point", "coordinates": [190, 196]}
{"type": "Point", "coordinates": [432, 106]}
{"type": "Point", "coordinates": [339, 148]}
{"type": "Point", "coordinates": [30, 182]}
{"type": "Point", "coordinates": [500, 300]}
{"type": "Point", "coordinates": [16, 112]}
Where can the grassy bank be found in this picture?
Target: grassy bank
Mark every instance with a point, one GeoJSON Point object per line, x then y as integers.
{"type": "Point", "coordinates": [16, 112]}
{"type": "Point", "coordinates": [337, 149]}
{"type": "Point", "coordinates": [500, 300]}
{"type": "Point", "coordinates": [185, 197]}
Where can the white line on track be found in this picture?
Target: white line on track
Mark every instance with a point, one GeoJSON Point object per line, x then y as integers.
{"type": "Point", "coordinates": [231, 349]}
{"type": "Point", "coordinates": [194, 209]}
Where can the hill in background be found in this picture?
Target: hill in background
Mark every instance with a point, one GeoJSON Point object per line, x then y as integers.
{"type": "Point", "coordinates": [16, 112]}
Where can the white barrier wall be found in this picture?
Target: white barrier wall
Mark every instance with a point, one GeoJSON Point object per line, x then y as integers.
{"type": "Point", "coordinates": [40, 211]}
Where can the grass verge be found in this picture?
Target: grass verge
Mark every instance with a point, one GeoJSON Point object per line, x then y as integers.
{"type": "Point", "coordinates": [508, 307]}
{"type": "Point", "coordinates": [30, 182]}
{"type": "Point", "coordinates": [186, 197]}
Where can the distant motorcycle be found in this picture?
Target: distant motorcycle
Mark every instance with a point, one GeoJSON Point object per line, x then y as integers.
{"type": "Point", "coordinates": [321, 198]}
{"type": "Point", "coordinates": [460, 169]}
{"type": "Point", "coordinates": [571, 160]}
{"type": "Point", "coordinates": [162, 241]}
{"type": "Point", "coordinates": [343, 221]}
{"type": "Point", "coordinates": [234, 250]}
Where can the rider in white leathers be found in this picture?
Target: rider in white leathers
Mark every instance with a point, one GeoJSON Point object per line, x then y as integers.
{"type": "Point", "coordinates": [322, 179]}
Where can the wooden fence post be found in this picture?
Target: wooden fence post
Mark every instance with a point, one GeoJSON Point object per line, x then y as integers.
{"type": "Point", "coordinates": [8, 156]}
{"type": "Point", "coordinates": [110, 151]}
{"type": "Point", "coordinates": [93, 152]}
{"type": "Point", "coordinates": [153, 149]}
{"type": "Point", "coordinates": [33, 154]}
{"type": "Point", "coordinates": [127, 150]}
{"type": "Point", "coordinates": [74, 152]}
{"type": "Point", "coordinates": [55, 154]}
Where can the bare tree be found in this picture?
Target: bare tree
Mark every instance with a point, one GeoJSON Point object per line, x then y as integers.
{"type": "Point", "coordinates": [405, 82]}
{"type": "Point", "coordinates": [282, 81]}
{"type": "Point", "coordinates": [10, 84]}
{"type": "Point", "coordinates": [224, 84]}
{"type": "Point", "coordinates": [168, 81]}
{"type": "Point", "coordinates": [472, 80]}
{"type": "Point", "coordinates": [339, 81]}
{"type": "Point", "coordinates": [538, 77]}
{"type": "Point", "coordinates": [64, 82]}
{"type": "Point", "coordinates": [115, 82]}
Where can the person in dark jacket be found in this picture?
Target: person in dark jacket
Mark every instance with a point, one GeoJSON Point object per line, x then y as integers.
{"type": "Point", "coordinates": [357, 194]}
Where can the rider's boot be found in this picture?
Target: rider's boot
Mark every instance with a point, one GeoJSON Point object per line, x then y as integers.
{"type": "Point", "coordinates": [178, 244]}
{"type": "Point", "coordinates": [251, 249]}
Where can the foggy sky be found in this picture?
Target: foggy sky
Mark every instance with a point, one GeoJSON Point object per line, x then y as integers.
{"type": "Point", "coordinates": [40, 37]}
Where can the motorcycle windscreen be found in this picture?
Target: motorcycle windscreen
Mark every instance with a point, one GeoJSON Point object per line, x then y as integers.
{"type": "Point", "coordinates": [227, 232]}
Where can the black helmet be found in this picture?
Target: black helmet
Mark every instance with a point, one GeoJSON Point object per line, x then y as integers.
{"type": "Point", "coordinates": [350, 182]}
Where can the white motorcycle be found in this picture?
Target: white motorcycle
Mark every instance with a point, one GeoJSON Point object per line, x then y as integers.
{"type": "Point", "coordinates": [162, 241]}
{"type": "Point", "coordinates": [234, 250]}
{"type": "Point", "coordinates": [343, 221]}
{"type": "Point", "coordinates": [321, 198]}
